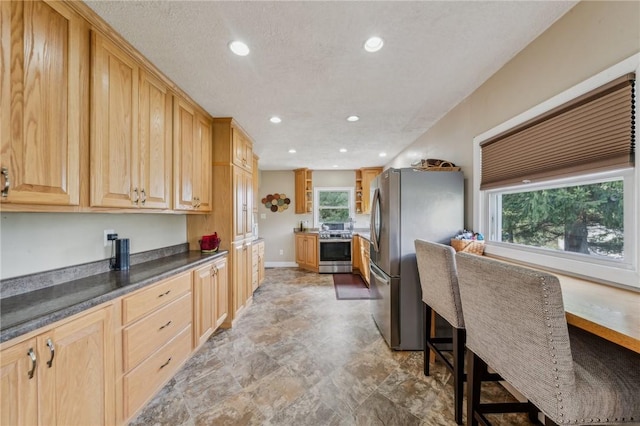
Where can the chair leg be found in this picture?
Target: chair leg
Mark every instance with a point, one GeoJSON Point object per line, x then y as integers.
{"type": "Point", "coordinates": [476, 370]}
{"type": "Point", "coordinates": [459, 338]}
{"type": "Point", "coordinates": [427, 337]}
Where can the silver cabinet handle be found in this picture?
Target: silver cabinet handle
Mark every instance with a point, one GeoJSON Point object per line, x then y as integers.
{"type": "Point", "coordinates": [52, 349]}
{"type": "Point", "coordinates": [144, 196]}
{"type": "Point", "coordinates": [165, 326]}
{"type": "Point", "coordinates": [137, 196]}
{"type": "Point", "coordinates": [32, 355]}
{"type": "Point", "coordinates": [7, 182]}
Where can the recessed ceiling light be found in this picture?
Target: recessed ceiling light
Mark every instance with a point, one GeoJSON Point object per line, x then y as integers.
{"type": "Point", "coordinates": [343, 149]}
{"type": "Point", "coordinates": [275, 119]}
{"type": "Point", "coordinates": [335, 165]}
{"type": "Point", "coordinates": [353, 118]}
{"type": "Point", "coordinates": [373, 44]}
{"type": "Point", "coordinates": [383, 154]}
{"type": "Point", "coordinates": [239, 48]}
{"type": "Point", "coordinates": [292, 151]}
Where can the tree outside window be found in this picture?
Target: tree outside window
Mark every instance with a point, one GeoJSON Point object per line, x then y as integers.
{"type": "Point", "coordinates": [333, 204]}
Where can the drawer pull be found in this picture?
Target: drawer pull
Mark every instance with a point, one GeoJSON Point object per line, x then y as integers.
{"type": "Point", "coordinates": [7, 182]}
{"type": "Point", "coordinates": [165, 326]}
{"type": "Point", "coordinates": [52, 349]}
{"type": "Point", "coordinates": [165, 293]}
{"type": "Point", "coordinates": [166, 363]}
{"type": "Point", "coordinates": [32, 355]}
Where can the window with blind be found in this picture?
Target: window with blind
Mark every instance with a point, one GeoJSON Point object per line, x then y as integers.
{"type": "Point", "coordinates": [560, 189]}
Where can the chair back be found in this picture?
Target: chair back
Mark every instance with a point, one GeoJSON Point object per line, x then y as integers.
{"type": "Point", "coordinates": [439, 280]}
{"type": "Point", "coordinates": [515, 322]}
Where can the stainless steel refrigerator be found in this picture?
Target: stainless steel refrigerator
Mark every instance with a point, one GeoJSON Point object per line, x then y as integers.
{"type": "Point", "coordinates": [408, 204]}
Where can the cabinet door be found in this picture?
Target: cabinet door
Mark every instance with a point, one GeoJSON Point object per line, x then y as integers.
{"type": "Point", "coordinates": [222, 287]}
{"type": "Point", "coordinates": [204, 303]}
{"type": "Point", "coordinates": [300, 249]}
{"type": "Point", "coordinates": [19, 402]}
{"type": "Point", "coordinates": [368, 175]}
{"type": "Point", "coordinates": [248, 205]}
{"type": "Point", "coordinates": [41, 98]}
{"type": "Point", "coordinates": [202, 163]}
{"type": "Point", "coordinates": [260, 262]}
{"type": "Point", "coordinates": [242, 150]}
{"type": "Point", "coordinates": [300, 188]}
{"type": "Point", "coordinates": [239, 277]}
{"type": "Point", "coordinates": [155, 143]}
{"type": "Point", "coordinates": [311, 251]}
{"type": "Point", "coordinates": [240, 203]}
{"type": "Point", "coordinates": [184, 118]}
{"type": "Point", "coordinates": [114, 126]}
{"type": "Point", "coordinates": [254, 267]}
{"type": "Point", "coordinates": [78, 387]}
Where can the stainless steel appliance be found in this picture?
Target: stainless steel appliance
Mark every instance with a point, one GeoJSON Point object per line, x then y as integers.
{"type": "Point", "coordinates": [408, 204]}
{"type": "Point", "coordinates": [334, 249]}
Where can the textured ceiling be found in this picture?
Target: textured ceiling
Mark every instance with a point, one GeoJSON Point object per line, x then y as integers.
{"type": "Point", "coordinates": [307, 65]}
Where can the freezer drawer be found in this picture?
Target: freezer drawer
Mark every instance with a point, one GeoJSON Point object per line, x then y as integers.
{"type": "Point", "coordinates": [384, 306]}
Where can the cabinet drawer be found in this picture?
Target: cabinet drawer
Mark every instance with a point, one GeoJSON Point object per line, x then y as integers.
{"type": "Point", "coordinates": [146, 301]}
{"type": "Point", "coordinates": [145, 336]}
{"type": "Point", "coordinates": [143, 381]}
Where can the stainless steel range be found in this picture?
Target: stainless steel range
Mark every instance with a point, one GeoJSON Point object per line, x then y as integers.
{"type": "Point", "coordinates": [334, 248]}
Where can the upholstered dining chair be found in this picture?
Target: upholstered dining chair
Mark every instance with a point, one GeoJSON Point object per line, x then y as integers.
{"type": "Point", "coordinates": [515, 323]}
{"type": "Point", "coordinates": [439, 282]}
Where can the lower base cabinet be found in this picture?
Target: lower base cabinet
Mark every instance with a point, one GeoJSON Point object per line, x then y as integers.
{"type": "Point", "coordinates": [307, 251]}
{"type": "Point", "coordinates": [210, 300]}
{"type": "Point", "coordinates": [102, 366]}
{"type": "Point", "coordinates": [63, 376]}
{"type": "Point", "coordinates": [257, 275]}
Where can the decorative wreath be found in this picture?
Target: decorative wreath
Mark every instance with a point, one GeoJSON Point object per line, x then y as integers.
{"type": "Point", "coordinates": [276, 202]}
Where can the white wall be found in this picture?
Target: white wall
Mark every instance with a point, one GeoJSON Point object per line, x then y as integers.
{"type": "Point", "coordinates": [36, 242]}
{"type": "Point", "coordinates": [588, 39]}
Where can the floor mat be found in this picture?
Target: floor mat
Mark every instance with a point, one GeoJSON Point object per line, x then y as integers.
{"type": "Point", "coordinates": [350, 287]}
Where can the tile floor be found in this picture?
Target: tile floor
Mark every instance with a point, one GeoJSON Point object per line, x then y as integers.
{"type": "Point", "coordinates": [298, 356]}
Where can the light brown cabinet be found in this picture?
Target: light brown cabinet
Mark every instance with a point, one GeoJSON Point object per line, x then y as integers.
{"type": "Point", "coordinates": [242, 150]}
{"type": "Point", "coordinates": [156, 338]}
{"type": "Point", "coordinates": [365, 257]}
{"type": "Point", "coordinates": [42, 102]}
{"type": "Point", "coordinates": [192, 143]}
{"type": "Point", "coordinates": [261, 266]}
{"type": "Point", "coordinates": [130, 132]}
{"type": "Point", "coordinates": [64, 376]}
{"type": "Point", "coordinates": [364, 177]}
{"type": "Point", "coordinates": [241, 286]}
{"type": "Point", "coordinates": [257, 257]}
{"type": "Point", "coordinates": [209, 289]}
{"type": "Point", "coordinates": [307, 251]}
{"type": "Point", "coordinates": [243, 202]}
{"type": "Point", "coordinates": [304, 190]}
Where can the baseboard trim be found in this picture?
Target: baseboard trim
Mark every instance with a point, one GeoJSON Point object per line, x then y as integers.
{"type": "Point", "coordinates": [280, 265]}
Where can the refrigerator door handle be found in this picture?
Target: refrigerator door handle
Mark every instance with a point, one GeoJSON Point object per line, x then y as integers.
{"type": "Point", "coordinates": [372, 224]}
{"type": "Point", "coordinates": [379, 277]}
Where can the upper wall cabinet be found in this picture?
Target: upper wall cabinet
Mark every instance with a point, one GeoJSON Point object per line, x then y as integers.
{"type": "Point", "coordinates": [130, 132]}
{"type": "Point", "coordinates": [304, 190]}
{"type": "Point", "coordinates": [41, 102]}
{"type": "Point", "coordinates": [192, 140]}
{"type": "Point", "coordinates": [242, 149]}
{"type": "Point", "coordinates": [364, 177]}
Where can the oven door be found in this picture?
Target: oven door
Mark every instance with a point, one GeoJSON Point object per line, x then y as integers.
{"type": "Point", "coordinates": [334, 256]}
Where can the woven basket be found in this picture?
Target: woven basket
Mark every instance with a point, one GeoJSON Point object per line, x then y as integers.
{"type": "Point", "coordinates": [468, 246]}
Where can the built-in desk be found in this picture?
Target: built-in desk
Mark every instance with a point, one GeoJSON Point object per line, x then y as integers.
{"type": "Point", "coordinates": [609, 312]}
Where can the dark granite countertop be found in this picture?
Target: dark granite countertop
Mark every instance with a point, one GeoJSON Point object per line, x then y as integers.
{"type": "Point", "coordinates": [22, 313]}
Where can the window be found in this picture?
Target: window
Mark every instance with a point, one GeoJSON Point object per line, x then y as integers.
{"type": "Point", "coordinates": [583, 221]}
{"type": "Point", "coordinates": [333, 204]}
